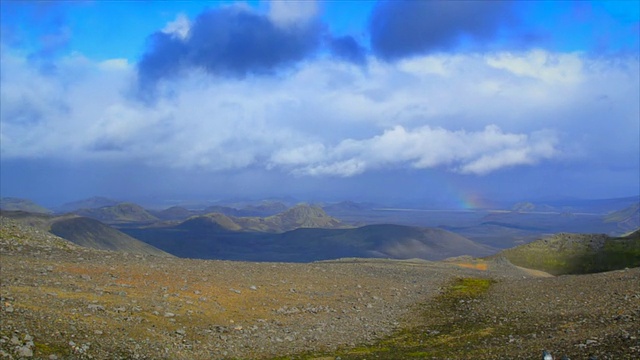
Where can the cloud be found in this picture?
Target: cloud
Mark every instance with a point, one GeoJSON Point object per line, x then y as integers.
{"type": "Point", "coordinates": [466, 152]}
{"type": "Point", "coordinates": [347, 48]}
{"type": "Point", "coordinates": [406, 28]}
{"type": "Point", "coordinates": [228, 41]}
{"type": "Point", "coordinates": [292, 13]}
{"type": "Point", "coordinates": [179, 27]}
{"type": "Point", "coordinates": [469, 114]}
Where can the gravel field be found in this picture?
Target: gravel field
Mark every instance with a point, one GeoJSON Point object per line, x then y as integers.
{"type": "Point", "coordinates": [61, 301]}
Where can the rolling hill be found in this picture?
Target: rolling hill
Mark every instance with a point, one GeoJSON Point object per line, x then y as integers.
{"type": "Point", "coordinates": [94, 234]}
{"type": "Point", "coordinates": [299, 216]}
{"type": "Point", "coordinates": [627, 219]}
{"type": "Point", "coordinates": [90, 203]}
{"type": "Point", "coordinates": [577, 253]}
{"type": "Point", "coordinates": [17, 204]}
{"type": "Point", "coordinates": [118, 214]}
{"type": "Point", "coordinates": [217, 236]}
{"type": "Point", "coordinates": [83, 231]}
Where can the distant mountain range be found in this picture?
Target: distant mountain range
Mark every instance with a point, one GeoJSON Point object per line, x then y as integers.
{"type": "Point", "coordinates": [120, 213]}
{"type": "Point", "coordinates": [273, 231]}
{"type": "Point", "coordinates": [90, 203]}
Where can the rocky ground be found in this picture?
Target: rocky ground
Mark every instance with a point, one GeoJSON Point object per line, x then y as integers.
{"type": "Point", "coordinates": [61, 301]}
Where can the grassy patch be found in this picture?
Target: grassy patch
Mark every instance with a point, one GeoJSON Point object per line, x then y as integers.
{"type": "Point", "coordinates": [438, 331]}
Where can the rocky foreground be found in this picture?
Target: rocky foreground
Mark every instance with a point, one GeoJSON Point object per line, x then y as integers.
{"type": "Point", "coordinates": [61, 301]}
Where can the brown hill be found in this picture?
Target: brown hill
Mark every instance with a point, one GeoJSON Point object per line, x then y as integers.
{"type": "Point", "coordinates": [300, 216]}
{"type": "Point", "coordinates": [96, 235]}
{"type": "Point", "coordinates": [82, 231]}
{"type": "Point", "coordinates": [121, 213]}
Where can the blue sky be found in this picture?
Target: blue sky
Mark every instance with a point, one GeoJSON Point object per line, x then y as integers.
{"type": "Point", "coordinates": [416, 101]}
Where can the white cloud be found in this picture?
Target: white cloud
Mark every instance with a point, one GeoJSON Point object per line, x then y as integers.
{"type": "Point", "coordinates": [466, 152]}
{"type": "Point", "coordinates": [179, 27]}
{"type": "Point", "coordinates": [291, 13]}
{"type": "Point", "coordinates": [542, 65]}
{"type": "Point", "coordinates": [471, 114]}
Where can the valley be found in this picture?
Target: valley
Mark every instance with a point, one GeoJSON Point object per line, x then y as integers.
{"type": "Point", "coordinates": [347, 281]}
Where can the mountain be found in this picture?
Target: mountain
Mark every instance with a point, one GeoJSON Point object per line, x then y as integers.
{"type": "Point", "coordinates": [17, 204]}
{"type": "Point", "coordinates": [39, 221]}
{"type": "Point", "coordinates": [94, 234]}
{"type": "Point", "coordinates": [300, 216]}
{"type": "Point", "coordinates": [82, 231]}
{"type": "Point", "coordinates": [627, 219]}
{"type": "Point", "coordinates": [577, 253]}
{"type": "Point", "coordinates": [346, 207]}
{"type": "Point", "coordinates": [174, 213]}
{"type": "Point", "coordinates": [90, 203]}
{"type": "Point", "coordinates": [217, 236]}
{"type": "Point", "coordinates": [597, 206]}
{"type": "Point", "coordinates": [262, 209]}
{"type": "Point", "coordinates": [120, 213]}
{"type": "Point", "coordinates": [388, 241]}
{"type": "Point", "coordinates": [214, 222]}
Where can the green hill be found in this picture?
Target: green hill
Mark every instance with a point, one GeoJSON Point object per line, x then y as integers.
{"type": "Point", "coordinates": [577, 253]}
{"type": "Point", "coordinates": [120, 213]}
{"type": "Point", "coordinates": [16, 204]}
{"type": "Point", "coordinates": [94, 234]}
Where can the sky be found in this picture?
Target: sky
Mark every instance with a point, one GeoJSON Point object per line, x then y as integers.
{"type": "Point", "coordinates": [453, 104]}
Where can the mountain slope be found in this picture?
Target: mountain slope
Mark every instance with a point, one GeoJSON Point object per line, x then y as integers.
{"type": "Point", "coordinates": [16, 204]}
{"type": "Point", "coordinates": [300, 216]}
{"type": "Point", "coordinates": [94, 234]}
{"type": "Point", "coordinates": [90, 203]}
{"type": "Point", "coordinates": [577, 253]}
{"type": "Point", "coordinates": [120, 213]}
{"type": "Point", "coordinates": [627, 218]}
{"type": "Point", "coordinates": [216, 237]}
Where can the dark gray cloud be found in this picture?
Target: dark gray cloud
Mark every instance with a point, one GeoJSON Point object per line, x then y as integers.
{"type": "Point", "coordinates": [229, 41]}
{"type": "Point", "coordinates": [347, 48]}
{"type": "Point", "coordinates": [404, 28]}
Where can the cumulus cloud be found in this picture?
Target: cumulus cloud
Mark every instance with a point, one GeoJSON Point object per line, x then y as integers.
{"type": "Point", "coordinates": [292, 13]}
{"type": "Point", "coordinates": [478, 152]}
{"type": "Point", "coordinates": [406, 28]}
{"type": "Point", "coordinates": [179, 27]}
{"type": "Point", "coordinates": [468, 114]}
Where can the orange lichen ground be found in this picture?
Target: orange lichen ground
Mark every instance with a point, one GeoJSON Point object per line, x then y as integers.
{"type": "Point", "coordinates": [475, 265]}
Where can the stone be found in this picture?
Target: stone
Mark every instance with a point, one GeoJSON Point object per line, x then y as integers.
{"type": "Point", "coordinates": [25, 351]}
